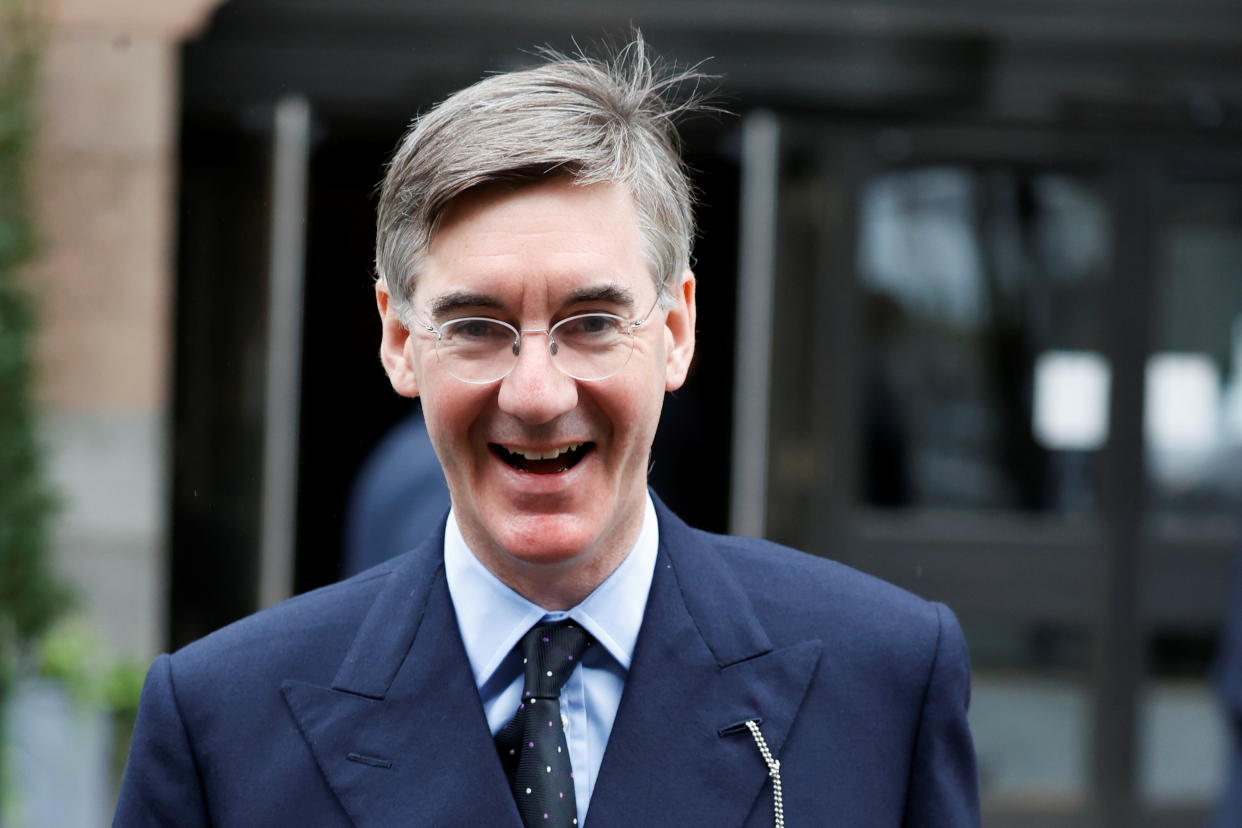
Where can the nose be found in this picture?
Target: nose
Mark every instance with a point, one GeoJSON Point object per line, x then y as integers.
{"type": "Point", "coordinates": [536, 391]}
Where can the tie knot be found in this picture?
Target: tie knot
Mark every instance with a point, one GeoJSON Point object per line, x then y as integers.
{"type": "Point", "coordinates": [550, 653]}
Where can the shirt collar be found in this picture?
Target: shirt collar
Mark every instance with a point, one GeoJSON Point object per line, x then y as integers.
{"type": "Point", "coordinates": [493, 618]}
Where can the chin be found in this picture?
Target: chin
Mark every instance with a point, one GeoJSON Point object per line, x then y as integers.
{"type": "Point", "coordinates": [546, 539]}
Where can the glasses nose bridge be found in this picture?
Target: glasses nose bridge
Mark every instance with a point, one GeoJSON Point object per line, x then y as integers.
{"type": "Point", "coordinates": [552, 346]}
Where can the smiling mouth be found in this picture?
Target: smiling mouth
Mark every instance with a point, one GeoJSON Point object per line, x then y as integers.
{"type": "Point", "coordinates": [552, 461]}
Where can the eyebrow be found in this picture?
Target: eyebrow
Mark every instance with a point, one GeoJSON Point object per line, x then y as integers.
{"type": "Point", "coordinates": [612, 294]}
{"type": "Point", "coordinates": [458, 300]}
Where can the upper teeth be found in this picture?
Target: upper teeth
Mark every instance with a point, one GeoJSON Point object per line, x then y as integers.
{"type": "Point", "coordinates": [550, 454]}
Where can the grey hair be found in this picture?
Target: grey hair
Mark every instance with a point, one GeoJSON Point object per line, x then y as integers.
{"type": "Point", "coordinates": [596, 120]}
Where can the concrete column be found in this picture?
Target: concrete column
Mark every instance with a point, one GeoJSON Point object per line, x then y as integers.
{"type": "Point", "coordinates": [102, 187]}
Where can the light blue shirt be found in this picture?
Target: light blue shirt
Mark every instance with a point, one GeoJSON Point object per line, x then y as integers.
{"type": "Point", "coordinates": [493, 618]}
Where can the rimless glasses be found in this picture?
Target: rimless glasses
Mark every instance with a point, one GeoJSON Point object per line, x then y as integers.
{"type": "Point", "coordinates": [587, 346]}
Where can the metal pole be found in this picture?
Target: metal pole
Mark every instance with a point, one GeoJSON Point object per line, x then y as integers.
{"type": "Point", "coordinates": [756, 277]}
{"type": "Point", "coordinates": [1119, 668]}
{"type": "Point", "coordinates": [290, 159]}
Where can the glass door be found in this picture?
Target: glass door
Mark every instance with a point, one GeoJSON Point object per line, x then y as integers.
{"type": "Point", "coordinates": [965, 324]}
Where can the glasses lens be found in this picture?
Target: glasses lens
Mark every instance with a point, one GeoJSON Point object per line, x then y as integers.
{"type": "Point", "coordinates": [477, 350]}
{"type": "Point", "coordinates": [592, 346]}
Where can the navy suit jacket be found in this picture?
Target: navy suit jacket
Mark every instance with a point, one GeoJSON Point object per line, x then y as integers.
{"type": "Point", "coordinates": [1229, 686]}
{"type": "Point", "coordinates": [354, 705]}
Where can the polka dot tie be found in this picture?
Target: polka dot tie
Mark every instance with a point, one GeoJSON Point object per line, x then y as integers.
{"type": "Point", "coordinates": [532, 746]}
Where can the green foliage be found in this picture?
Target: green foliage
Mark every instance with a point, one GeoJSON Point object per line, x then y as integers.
{"type": "Point", "coordinates": [72, 653]}
{"type": "Point", "coordinates": [95, 679]}
{"type": "Point", "coordinates": [31, 597]}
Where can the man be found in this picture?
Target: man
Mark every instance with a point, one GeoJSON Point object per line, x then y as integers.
{"type": "Point", "coordinates": [564, 651]}
{"type": "Point", "coordinates": [1228, 679]}
{"type": "Point", "coordinates": [397, 494]}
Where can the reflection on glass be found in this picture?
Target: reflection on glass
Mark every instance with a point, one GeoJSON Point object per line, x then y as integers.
{"type": "Point", "coordinates": [972, 277]}
{"type": "Point", "coordinates": [1233, 388]}
{"type": "Point", "coordinates": [1183, 405]}
{"type": "Point", "coordinates": [1193, 414]}
{"type": "Point", "coordinates": [1184, 743]}
{"type": "Point", "coordinates": [1030, 711]}
{"type": "Point", "coordinates": [1071, 400]}
{"type": "Point", "coordinates": [1183, 734]}
{"type": "Point", "coordinates": [1071, 419]}
{"type": "Point", "coordinates": [1193, 437]}
{"type": "Point", "coordinates": [1030, 738]}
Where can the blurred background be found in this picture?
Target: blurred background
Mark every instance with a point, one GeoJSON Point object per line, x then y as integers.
{"type": "Point", "coordinates": [970, 284]}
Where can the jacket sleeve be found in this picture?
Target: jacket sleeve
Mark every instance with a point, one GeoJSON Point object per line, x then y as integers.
{"type": "Point", "coordinates": [944, 789]}
{"type": "Point", "coordinates": [161, 786]}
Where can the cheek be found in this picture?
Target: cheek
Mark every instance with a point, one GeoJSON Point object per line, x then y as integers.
{"type": "Point", "coordinates": [448, 410]}
{"type": "Point", "coordinates": [638, 412]}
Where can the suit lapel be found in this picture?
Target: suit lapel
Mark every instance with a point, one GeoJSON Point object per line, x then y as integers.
{"type": "Point", "coordinates": [401, 736]}
{"type": "Point", "coordinates": [702, 666]}
{"type": "Point", "coordinates": [401, 730]}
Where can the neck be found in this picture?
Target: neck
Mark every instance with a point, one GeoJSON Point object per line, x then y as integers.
{"type": "Point", "coordinates": [559, 591]}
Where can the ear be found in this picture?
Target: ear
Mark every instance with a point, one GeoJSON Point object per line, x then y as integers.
{"type": "Point", "coordinates": [679, 333]}
{"type": "Point", "coordinates": [396, 345]}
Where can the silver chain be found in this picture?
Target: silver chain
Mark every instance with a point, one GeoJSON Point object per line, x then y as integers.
{"type": "Point", "coordinates": [774, 771]}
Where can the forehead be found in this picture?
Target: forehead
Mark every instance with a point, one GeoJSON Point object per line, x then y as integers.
{"type": "Point", "coordinates": [553, 237]}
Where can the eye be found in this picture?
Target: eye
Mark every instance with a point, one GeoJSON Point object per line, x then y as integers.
{"type": "Point", "coordinates": [588, 328]}
{"type": "Point", "coordinates": [476, 331]}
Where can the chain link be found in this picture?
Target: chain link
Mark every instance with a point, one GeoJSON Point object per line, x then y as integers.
{"type": "Point", "coordinates": [774, 771]}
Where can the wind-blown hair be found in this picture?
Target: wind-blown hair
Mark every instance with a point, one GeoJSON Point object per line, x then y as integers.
{"type": "Point", "coordinates": [596, 120]}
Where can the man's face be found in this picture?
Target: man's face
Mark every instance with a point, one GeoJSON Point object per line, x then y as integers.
{"type": "Point", "coordinates": [531, 256]}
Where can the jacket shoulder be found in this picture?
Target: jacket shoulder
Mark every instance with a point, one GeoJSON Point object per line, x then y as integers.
{"type": "Point", "coordinates": [303, 637]}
